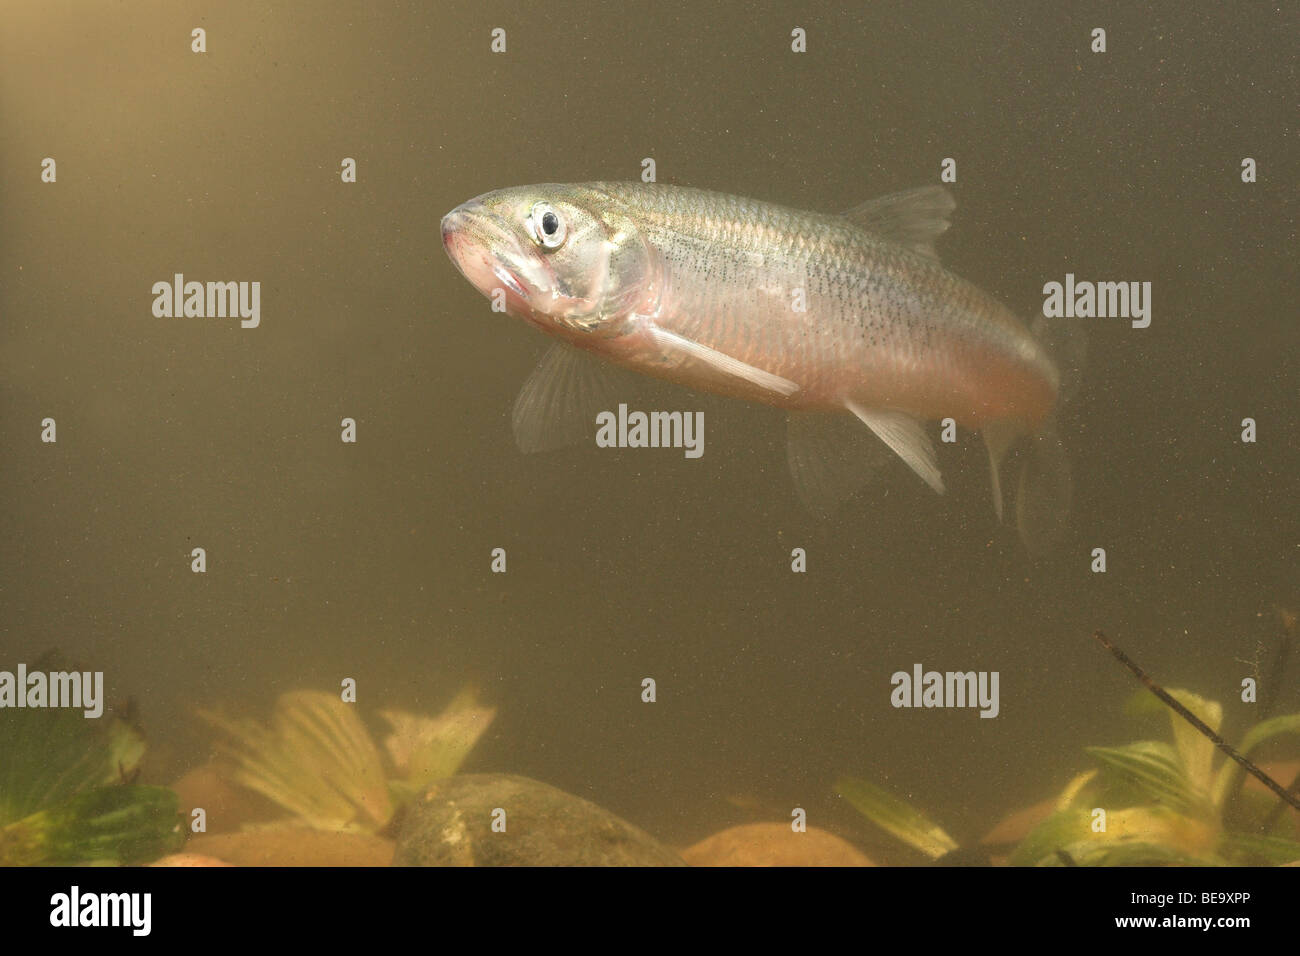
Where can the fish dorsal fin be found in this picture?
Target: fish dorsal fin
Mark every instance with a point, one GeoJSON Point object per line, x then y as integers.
{"type": "Point", "coordinates": [912, 218]}
{"type": "Point", "coordinates": [905, 435]}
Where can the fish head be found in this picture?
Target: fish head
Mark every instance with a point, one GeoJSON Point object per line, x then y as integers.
{"type": "Point", "coordinates": [567, 258]}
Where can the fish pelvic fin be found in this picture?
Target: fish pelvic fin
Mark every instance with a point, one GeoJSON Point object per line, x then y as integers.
{"type": "Point", "coordinates": [831, 457]}
{"type": "Point", "coordinates": [912, 218]}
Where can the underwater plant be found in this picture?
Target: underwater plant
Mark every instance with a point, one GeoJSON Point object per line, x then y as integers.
{"type": "Point", "coordinates": [66, 796]}
{"type": "Point", "coordinates": [1164, 803]}
{"type": "Point", "coordinates": [1178, 803]}
{"type": "Point", "coordinates": [318, 761]}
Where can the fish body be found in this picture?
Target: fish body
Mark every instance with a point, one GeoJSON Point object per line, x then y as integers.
{"type": "Point", "coordinates": [813, 312]}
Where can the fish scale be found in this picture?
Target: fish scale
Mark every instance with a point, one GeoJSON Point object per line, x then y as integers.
{"type": "Point", "coordinates": [885, 325]}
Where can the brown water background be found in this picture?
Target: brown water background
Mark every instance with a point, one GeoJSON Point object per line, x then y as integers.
{"type": "Point", "coordinates": [371, 561]}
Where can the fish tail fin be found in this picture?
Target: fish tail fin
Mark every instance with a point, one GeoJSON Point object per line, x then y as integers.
{"type": "Point", "coordinates": [1044, 491]}
{"type": "Point", "coordinates": [1046, 486]}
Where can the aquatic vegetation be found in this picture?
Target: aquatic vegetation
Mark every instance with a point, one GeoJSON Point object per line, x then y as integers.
{"type": "Point", "coordinates": [318, 761]}
{"type": "Point", "coordinates": [425, 749]}
{"type": "Point", "coordinates": [1181, 802]}
{"type": "Point", "coordinates": [66, 796]}
{"type": "Point", "coordinates": [896, 817]}
{"type": "Point", "coordinates": [1149, 802]}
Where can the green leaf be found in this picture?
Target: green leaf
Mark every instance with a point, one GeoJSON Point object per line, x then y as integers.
{"type": "Point", "coordinates": [1248, 849]}
{"type": "Point", "coordinates": [1274, 726]}
{"type": "Point", "coordinates": [896, 817]}
{"type": "Point", "coordinates": [1231, 771]}
{"type": "Point", "coordinates": [1194, 748]}
{"type": "Point", "coordinates": [1102, 853]}
{"type": "Point", "coordinates": [49, 754]}
{"type": "Point", "coordinates": [1135, 835]}
{"type": "Point", "coordinates": [425, 749]}
{"type": "Point", "coordinates": [1058, 831]}
{"type": "Point", "coordinates": [1153, 767]}
{"type": "Point", "coordinates": [125, 824]}
{"type": "Point", "coordinates": [317, 760]}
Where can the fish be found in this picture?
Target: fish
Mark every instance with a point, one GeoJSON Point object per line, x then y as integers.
{"type": "Point", "coordinates": [833, 317]}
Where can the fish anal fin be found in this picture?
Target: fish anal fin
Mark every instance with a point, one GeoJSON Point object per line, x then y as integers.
{"type": "Point", "coordinates": [830, 457]}
{"type": "Point", "coordinates": [998, 438]}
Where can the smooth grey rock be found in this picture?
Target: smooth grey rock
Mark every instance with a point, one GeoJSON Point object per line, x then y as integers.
{"type": "Point", "coordinates": [450, 824]}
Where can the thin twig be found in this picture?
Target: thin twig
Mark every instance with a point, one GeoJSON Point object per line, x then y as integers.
{"type": "Point", "coordinates": [1196, 722]}
{"type": "Point", "coordinates": [1273, 815]}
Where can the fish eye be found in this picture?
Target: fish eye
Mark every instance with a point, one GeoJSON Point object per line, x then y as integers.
{"type": "Point", "coordinates": [545, 226]}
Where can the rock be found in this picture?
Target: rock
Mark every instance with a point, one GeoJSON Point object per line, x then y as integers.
{"type": "Point", "coordinates": [189, 859]}
{"type": "Point", "coordinates": [291, 845]}
{"type": "Point", "coordinates": [774, 844]}
{"type": "Point", "coordinates": [1014, 827]}
{"type": "Point", "coordinates": [450, 824]}
{"type": "Point", "coordinates": [1283, 771]}
{"type": "Point", "coordinates": [228, 806]}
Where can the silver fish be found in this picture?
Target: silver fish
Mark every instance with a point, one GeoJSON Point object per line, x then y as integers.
{"type": "Point", "coordinates": [846, 313]}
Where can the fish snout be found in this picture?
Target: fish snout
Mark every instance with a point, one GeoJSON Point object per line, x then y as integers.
{"type": "Point", "coordinates": [454, 223]}
{"type": "Point", "coordinates": [481, 245]}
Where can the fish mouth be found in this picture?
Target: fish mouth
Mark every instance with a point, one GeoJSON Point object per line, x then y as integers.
{"type": "Point", "coordinates": [488, 252]}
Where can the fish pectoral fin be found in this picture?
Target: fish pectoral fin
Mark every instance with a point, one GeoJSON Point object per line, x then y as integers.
{"type": "Point", "coordinates": [913, 218]}
{"type": "Point", "coordinates": [906, 436]}
{"type": "Point", "coordinates": [560, 400]}
{"type": "Point", "coordinates": [672, 343]}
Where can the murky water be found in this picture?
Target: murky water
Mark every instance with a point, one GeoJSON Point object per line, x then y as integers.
{"type": "Point", "coordinates": [371, 560]}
